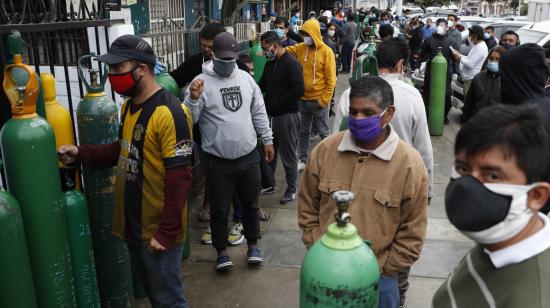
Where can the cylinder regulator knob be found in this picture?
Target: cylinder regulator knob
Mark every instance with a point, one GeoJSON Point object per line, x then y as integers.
{"type": "Point", "coordinates": [94, 75]}
{"type": "Point", "coordinates": [343, 199]}
{"type": "Point", "coordinates": [21, 99]}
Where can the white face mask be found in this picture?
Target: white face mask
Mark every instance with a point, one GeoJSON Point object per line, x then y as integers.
{"type": "Point", "coordinates": [450, 23]}
{"type": "Point", "coordinates": [441, 30]}
{"type": "Point", "coordinates": [331, 33]}
{"type": "Point", "coordinates": [308, 40]}
{"type": "Point", "coordinates": [516, 220]}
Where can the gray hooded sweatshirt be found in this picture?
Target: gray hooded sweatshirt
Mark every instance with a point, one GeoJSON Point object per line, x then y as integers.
{"type": "Point", "coordinates": [230, 112]}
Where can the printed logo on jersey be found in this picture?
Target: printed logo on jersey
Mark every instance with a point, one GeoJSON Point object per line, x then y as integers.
{"type": "Point", "coordinates": [138, 131]}
{"type": "Point", "coordinates": [232, 99]}
{"type": "Point", "coordinates": [184, 148]}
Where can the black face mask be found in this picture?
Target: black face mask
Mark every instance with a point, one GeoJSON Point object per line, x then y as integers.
{"type": "Point", "coordinates": [471, 206]}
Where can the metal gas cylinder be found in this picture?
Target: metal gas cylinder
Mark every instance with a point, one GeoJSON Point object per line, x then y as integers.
{"type": "Point", "coordinates": [80, 240]}
{"type": "Point", "coordinates": [97, 118]}
{"type": "Point", "coordinates": [340, 270]}
{"type": "Point", "coordinates": [30, 161]}
{"type": "Point", "coordinates": [438, 84]}
{"type": "Point", "coordinates": [15, 268]}
{"type": "Point", "coordinates": [258, 58]}
{"type": "Point", "coordinates": [166, 81]}
{"type": "Point", "coordinates": [58, 117]}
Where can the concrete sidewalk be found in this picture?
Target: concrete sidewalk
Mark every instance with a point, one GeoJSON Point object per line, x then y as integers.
{"type": "Point", "coordinates": [276, 283]}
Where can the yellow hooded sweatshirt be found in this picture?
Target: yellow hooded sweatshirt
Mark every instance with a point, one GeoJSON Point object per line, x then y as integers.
{"type": "Point", "coordinates": [318, 65]}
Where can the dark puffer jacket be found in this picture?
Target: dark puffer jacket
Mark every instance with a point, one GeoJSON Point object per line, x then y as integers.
{"type": "Point", "coordinates": [484, 92]}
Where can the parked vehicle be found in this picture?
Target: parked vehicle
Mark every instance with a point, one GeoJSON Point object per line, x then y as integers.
{"type": "Point", "coordinates": [538, 33]}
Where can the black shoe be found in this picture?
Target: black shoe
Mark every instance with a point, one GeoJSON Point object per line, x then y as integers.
{"type": "Point", "coordinates": [289, 196]}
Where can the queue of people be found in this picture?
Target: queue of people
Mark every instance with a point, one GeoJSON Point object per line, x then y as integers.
{"type": "Point", "coordinates": [497, 196]}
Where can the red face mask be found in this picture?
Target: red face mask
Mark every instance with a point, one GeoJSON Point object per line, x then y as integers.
{"type": "Point", "coordinates": [124, 84]}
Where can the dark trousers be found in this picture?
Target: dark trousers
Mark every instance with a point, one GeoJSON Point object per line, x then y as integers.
{"type": "Point", "coordinates": [159, 274]}
{"type": "Point", "coordinates": [285, 140]}
{"type": "Point", "coordinates": [224, 177]}
{"type": "Point", "coordinates": [347, 50]}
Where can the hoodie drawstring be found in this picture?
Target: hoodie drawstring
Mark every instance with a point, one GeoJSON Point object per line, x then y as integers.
{"type": "Point", "coordinates": [315, 66]}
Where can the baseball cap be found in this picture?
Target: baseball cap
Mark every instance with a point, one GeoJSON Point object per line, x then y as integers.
{"type": "Point", "coordinates": [477, 30]}
{"type": "Point", "coordinates": [128, 47]}
{"type": "Point", "coordinates": [225, 46]}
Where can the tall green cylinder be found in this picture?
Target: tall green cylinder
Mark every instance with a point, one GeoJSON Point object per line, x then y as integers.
{"type": "Point", "coordinates": [80, 240]}
{"type": "Point", "coordinates": [339, 270]}
{"type": "Point", "coordinates": [438, 83]}
{"type": "Point", "coordinates": [97, 118]}
{"type": "Point", "coordinates": [259, 60]}
{"type": "Point", "coordinates": [166, 81]}
{"type": "Point", "coordinates": [15, 268]}
{"type": "Point", "coordinates": [30, 161]}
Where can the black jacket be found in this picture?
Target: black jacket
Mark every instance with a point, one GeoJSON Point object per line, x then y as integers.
{"type": "Point", "coordinates": [484, 92]}
{"type": "Point", "coordinates": [283, 84]}
{"type": "Point", "coordinates": [429, 51]}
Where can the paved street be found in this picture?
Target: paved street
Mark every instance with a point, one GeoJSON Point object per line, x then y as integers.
{"type": "Point", "coordinates": [276, 283]}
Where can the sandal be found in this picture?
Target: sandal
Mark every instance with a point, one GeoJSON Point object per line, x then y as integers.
{"type": "Point", "coordinates": [204, 215]}
{"type": "Point", "coordinates": [264, 216]}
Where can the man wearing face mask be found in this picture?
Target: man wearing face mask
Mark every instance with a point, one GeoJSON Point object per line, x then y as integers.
{"type": "Point", "coordinates": [317, 61]}
{"type": "Point", "coordinates": [453, 32]}
{"type": "Point", "coordinates": [386, 19]}
{"type": "Point", "coordinates": [489, 37]}
{"type": "Point", "coordinates": [471, 64]}
{"type": "Point", "coordinates": [389, 210]}
{"type": "Point", "coordinates": [498, 187]}
{"type": "Point", "coordinates": [428, 29]}
{"type": "Point", "coordinates": [509, 39]}
{"type": "Point", "coordinates": [283, 85]}
{"type": "Point", "coordinates": [282, 28]}
{"type": "Point", "coordinates": [154, 154]}
{"type": "Point", "coordinates": [228, 106]}
{"type": "Point", "coordinates": [438, 41]}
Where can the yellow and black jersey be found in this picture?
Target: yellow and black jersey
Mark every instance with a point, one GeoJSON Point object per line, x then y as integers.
{"type": "Point", "coordinates": [153, 136]}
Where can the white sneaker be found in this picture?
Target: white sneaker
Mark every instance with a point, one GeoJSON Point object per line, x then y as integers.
{"type": "Point", "coordinates": [236, 235]}
{"type": "Point", "coordinates": [301, 166]}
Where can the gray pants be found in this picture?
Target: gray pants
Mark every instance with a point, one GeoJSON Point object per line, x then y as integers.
{"type": "Point", "coordinates": [311, 116]}
{"type": "Point", "coordinates": [285, 132]}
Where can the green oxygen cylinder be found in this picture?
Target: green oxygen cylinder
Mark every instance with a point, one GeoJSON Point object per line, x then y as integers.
{"type": "Point", "coordinates": [259, 60]}
{"type": "Point", "coordinates": [340, 270]}
{"type": "Point", "coordinates": [30, 161]}
{"type": "Point", "coordinates": [166, 81]}
{"type": "Point", "coordinates": [80, 241]}
{"type": "Point", "coordinates": [15, 268]}
{"type": "Point", "coordinates": [438, 83]}
{"type": "Point", "coordinates": [97, 117]}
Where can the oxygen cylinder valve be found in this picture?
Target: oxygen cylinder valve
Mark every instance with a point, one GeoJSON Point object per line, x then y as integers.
{"type": "Point", "coordinates": [343, 199]}
{"type": "Point", "coordinates": [21, 92]}
{"type": "Point", "coordinates": [94, 74]}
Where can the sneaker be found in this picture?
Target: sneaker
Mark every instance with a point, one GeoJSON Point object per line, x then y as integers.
{"type": "Point", "coordinates": [253, 256]}
{"type": "Point", "coordinates": [301, 166]}
{"type": "Point", "coordinates": [288, 197]}
{"type": "Point", "coordinates": [223, 263]}
{"type": "Point", "coordinates": [268, 190]}
{"type": "Point", "coordinates": [236, 234]}
{"type": "Point", "coordinates": [206, 237]}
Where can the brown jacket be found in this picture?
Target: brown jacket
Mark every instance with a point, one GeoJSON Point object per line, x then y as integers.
{"type": "Point", "coordinates": [391, 196]}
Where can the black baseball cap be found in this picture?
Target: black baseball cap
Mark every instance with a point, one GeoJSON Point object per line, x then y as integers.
{"type": "Point", "coordinates": [225, 46]}
{"type": "Point", "coordinates": [128, 47]}
{"type": "Point", "coordinates": [477, 30]}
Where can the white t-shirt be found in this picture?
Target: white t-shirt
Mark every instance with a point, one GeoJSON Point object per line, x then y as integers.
{"type": "Point", "coordinates": [471, 65]}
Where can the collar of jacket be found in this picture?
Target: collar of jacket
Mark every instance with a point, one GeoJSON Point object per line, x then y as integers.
{"type": "Point", "coordinates": [384, 151]}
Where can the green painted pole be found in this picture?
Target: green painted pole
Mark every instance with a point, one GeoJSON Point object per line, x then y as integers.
{"type": "Point", "coordinates": [80, 240]}
{"type": "Point", "coordinates": [15, 268]}
{"type": "Point", "coordinates": [97, 117]}
{"type": "Point", "coordinates": [438, 84]}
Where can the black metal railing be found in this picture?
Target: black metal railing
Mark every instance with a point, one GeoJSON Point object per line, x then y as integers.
{"type": "Point", "coordinates": [173, 47]}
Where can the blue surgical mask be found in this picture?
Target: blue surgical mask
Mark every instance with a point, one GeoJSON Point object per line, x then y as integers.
{"type": "Point", "coordinates": [486, 36]}
{"type": "Point", "coordinates": [385, 22]}
{"type": "Point", "coordinates": [507, 45]}
{"type": "Point", "coordinates": [308, 40]}
{"type": "Point", "coordinates": [493, 67]}
{"type": "Point", "coordinates": [280, 33]}
{"type": "Point", "coordinates": [224, 68]}
{"type": "Point", "coordinates": [270, 55]}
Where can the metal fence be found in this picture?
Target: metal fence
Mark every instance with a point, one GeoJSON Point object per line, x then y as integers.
{"type": "Point", "coordinates": [173, 47]}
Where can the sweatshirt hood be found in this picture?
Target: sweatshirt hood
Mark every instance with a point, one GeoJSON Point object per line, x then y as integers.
{"type": "Point", "coordinates": [313, 28]}
{"type": "Point", "coordinates": [523, 73]}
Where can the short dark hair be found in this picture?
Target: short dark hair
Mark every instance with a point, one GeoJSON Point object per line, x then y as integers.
{"type": "Point", "coordinates": [440, 20]}
{"type": "Point", "coordinates": [271, 37]}
{"type": "Point", "coordinates": [386, 31]}
{"type": "Point", "coordinates": [350, 17]}
{"type": "Point", "coordinates": [385, 13]}
{"type": "Point", "coordinates": [390, 51]}
{"type": "Point", "coordinates": [282, 20]}
{"type": "Point", "coordinates": [323, 20]}
{"type": "Point", "coordinates": [373, 88]}
{"type": "Point", "coordinates": [452, 15]}
{"type": "Point", "coordinates": [510, 32]}
{"type": "Point", "coordinates": [151, 66]}
{"type": "Point", "coordinates": [244, 58]}
{"type": "Point", "coordinates": [490, 28]}
{"type": "Point", "coordinates": [210, 30]}
{"type": "Point", "coordinates": [517, 129]}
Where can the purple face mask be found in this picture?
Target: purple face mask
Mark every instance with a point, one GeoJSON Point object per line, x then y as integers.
{"type": "Point", "coordinates": [367, 129]}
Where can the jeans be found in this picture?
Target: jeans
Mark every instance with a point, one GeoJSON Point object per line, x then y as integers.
{"type": "Point", "coordinates": [311, 115]}
{"type": "Point", "coordinates": [347, 53]}
{"type": "Point", "coordinates": [159, 274]}
{"type": "Point", "coordinates": [285, 133]}
{"type": "Point", "coordinates": [388, 292]}
{"type": "Point", "coordinates": [224, 178]}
